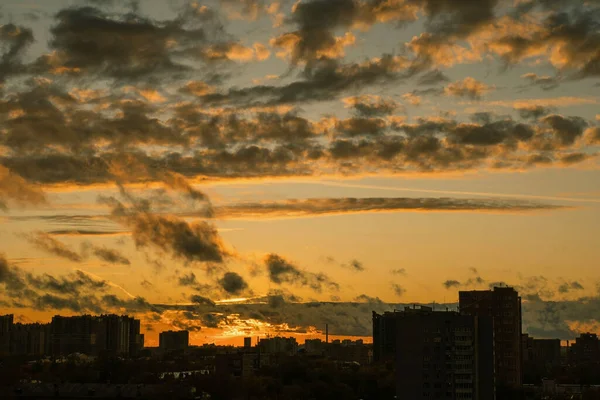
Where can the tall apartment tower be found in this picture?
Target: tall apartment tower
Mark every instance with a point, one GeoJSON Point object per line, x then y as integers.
{"type": "Point", "coordinates": [384, 336]}
{"type": "Point", "coordinates": [503, 304]}
{"type": "Point", "coordinates": [174, 340]}
{"type": "Point", "coordinates": [6, 326]}
{"type": "Point", "coordinates": [442, 354]}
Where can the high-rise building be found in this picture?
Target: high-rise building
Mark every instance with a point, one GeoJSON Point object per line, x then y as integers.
{"type": "Point", "coordinates": [442, 354]}
{"type": "Point", "coordinates": [174, 340]}
{"type": "Point", "coordinates": [503, 304]}
{"type": "Point", "coordinates": [74, 335]}
{"type": "Point", "coordinates": [136, 339]}
{"type": "Point", "coordinates": [585, 350]}
{"type": "Point", "coordinates": [247, 342]}
{"type": "Point", "coordinates": [30, 339]}
{"type": "Point", "coordinates": [6, 325]}
{"type": "Point", "coordinates": [278, 345]}
{"type": "Point", "coordinates": [94, 335]}
{"type": "Point", "coordinates": [384, 336]}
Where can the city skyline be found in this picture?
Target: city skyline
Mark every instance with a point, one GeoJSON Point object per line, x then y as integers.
{"type": "Point", "coordinates": [244, 168]}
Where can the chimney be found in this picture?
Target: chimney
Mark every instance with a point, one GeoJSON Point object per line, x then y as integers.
{"type": "Point", "coordinates": [326, 333]}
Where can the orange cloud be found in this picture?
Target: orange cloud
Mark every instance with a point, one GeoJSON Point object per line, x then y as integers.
{"type": "Point", "coordinates": [468, 87]}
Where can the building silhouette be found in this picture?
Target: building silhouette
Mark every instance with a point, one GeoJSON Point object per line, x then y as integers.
{"type": "Point", "coordinates": [173, 340]}
{"type": "Point", "coordinates": [85, 334]}
{"type": "Point", "coordinates": [585, 349]}
{"type": "Point", "coordinates": [442, 354]}
{"type": "Point", "coordinates": [384, 336]}
{"type": "Point", "coordinates": [503, 304]}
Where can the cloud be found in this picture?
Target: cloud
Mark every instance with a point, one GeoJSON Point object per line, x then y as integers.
{"type": "Point", "coordinates": [332, 206]}
{"type": "Point", "coordinates": [565, 129]}
{"type": "Point", "coordinates": [545, 82]}
{"type": "Point", "coordinates": [233, 283]}
{"type": "Point", "coordinates": [569, 286]}
{"type": "Point", "coordinates": [15, 40]}
{"type": "Point", "coordinates": [398, 271]}
{"type": "Point", "coordinates": [398, 290]}
{"type": "Point", "coordinates": [109, 255]}
{"type": "Point", "coordinates": [196, 299]}
{"type": "Point", "coordinates": [87, 40]}
{"type": "Point", "coordinates": [532, 111]}
{"type": "Point", "coordinates": [451, 283]}
{"type": "Point", "coordinates": [357, 265]}
{"type": "Point", "coordinates": [567, 37]}
{"type": "Point", "coordinates": [433, 78]}
{"type": "Point", "coordinates": [15, 188]}
{"type": "Point", "coordinates": [317, 20]}
{"type": "Point", "coordinates": [283, 271]}
{"type": "Point", "coordinates": [371, 106]}
{"type": "Point", "coordinates": [361, 126]}
{"type": "Point", "coordinates": [47, 243]}
{"type": "Point", "coordinates": [468, 87]}
{"type": "Point", "coordinates": [191, 242]}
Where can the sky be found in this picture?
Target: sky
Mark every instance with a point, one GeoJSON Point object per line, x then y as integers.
{"type": "Point", "coordinates": [251, 168]}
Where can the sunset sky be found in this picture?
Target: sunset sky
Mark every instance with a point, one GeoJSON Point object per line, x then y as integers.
{"type": "Point", "coordinates": [249, 167]}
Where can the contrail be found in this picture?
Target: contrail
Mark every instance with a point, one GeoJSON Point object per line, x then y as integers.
{"type": "Point", "coordinates": [108, 282]}
{"type": "Point", "coordinates": [483, 194]}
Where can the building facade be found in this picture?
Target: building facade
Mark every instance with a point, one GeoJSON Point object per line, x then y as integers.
{"type": "Point", "coordinates": [441, 354]}
{"type": "Point", "coordinates": [174, 340]}
{"type": "Point", "coordinates": [585, 350]}
{"type": "Point", "coordinates": [503, 304]}
{"type": "Point", "coordinates": [384, 336]}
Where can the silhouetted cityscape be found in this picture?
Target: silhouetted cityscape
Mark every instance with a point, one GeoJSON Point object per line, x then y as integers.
{"type": "Point", "coordinates": [477, 352]}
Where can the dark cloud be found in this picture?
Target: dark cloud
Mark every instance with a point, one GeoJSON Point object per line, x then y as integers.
{"type": "Point", "coordinates": [197, 299]}
{"type": "Point", "coordinates": [109, 255]}
{"type": "Point", "coordinates": [282, 271]}
{"type": "Point", "coordinates": [468, 87]}
{"type": "Point", "coordinates": [372, 106]}
{"type": "Point", "coordinates": [458, 19]}
{"type": "Point", "coordinates": [87, 40]}
{"type": "Point", "coordinates": [451, 283]}
{"type": "Point", "coordinates": [191, 242]}
{"type": "Point", "coordinates": [361, 126]}
{"type": "Point", "coordinates": [398, 271]}
{"type": "Point", "coordinates": [565, 129]}
{"type": "Point", "coordinates": [569, 286]}
{"type": "Point", "coordinates": [14, 188]}
{"type": "Point", "coordinates": [47, 243]}
{"type": "Point", "coordinates": [433, 78]}
{"type": "Point", "coordinates": [357, 265]}
{"type": "Point", "coordinates": [327, 79]}
{"type": "Point", "coordinates": [14, 41]}
{"type": "Point", "coordinates": [533, 112]}
{"type": "Point", "coordinates": [569, 34]}
{"type": "Point", "coordinates": [317, 20]}
{"type": "Point", "coordinates": [233, 283]}
{"type": "Point", "coordinates": [308, 207]}
{"type": "Point", "coordinates": [398, 290]}
{"type": "Point", "coordinates": [545, 82]}
{"type": "Point", "coordinates": [146, 284]}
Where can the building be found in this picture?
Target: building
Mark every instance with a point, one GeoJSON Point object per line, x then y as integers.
{"type": "Point", "coordinates": [503, 304]}
{"type": "Point", "coordinates": [74, 335]}
{"type": "Point", "coordinates": [585, 350]}
{"type": "Point", "coordinates": [443, 354]}
{"type": "Point", "coordinates": [136, 339]}
{"type": "Point", "coordinates": [349, 351]}
{"type": "Point", "coordinates": [547, 352]}
{"type": "Point", "coordinates": [174, 340]}
{"type": "Point", "coordinates": [247, 342]}
{"type": "Point", "coordinates": [30, 339]}
{"type": "Point", "coordinates": [278, 345]}
{"type": "Point", "coordinates": [6, 325]}
{"type": "Point", "coordinates": [384, 336]}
